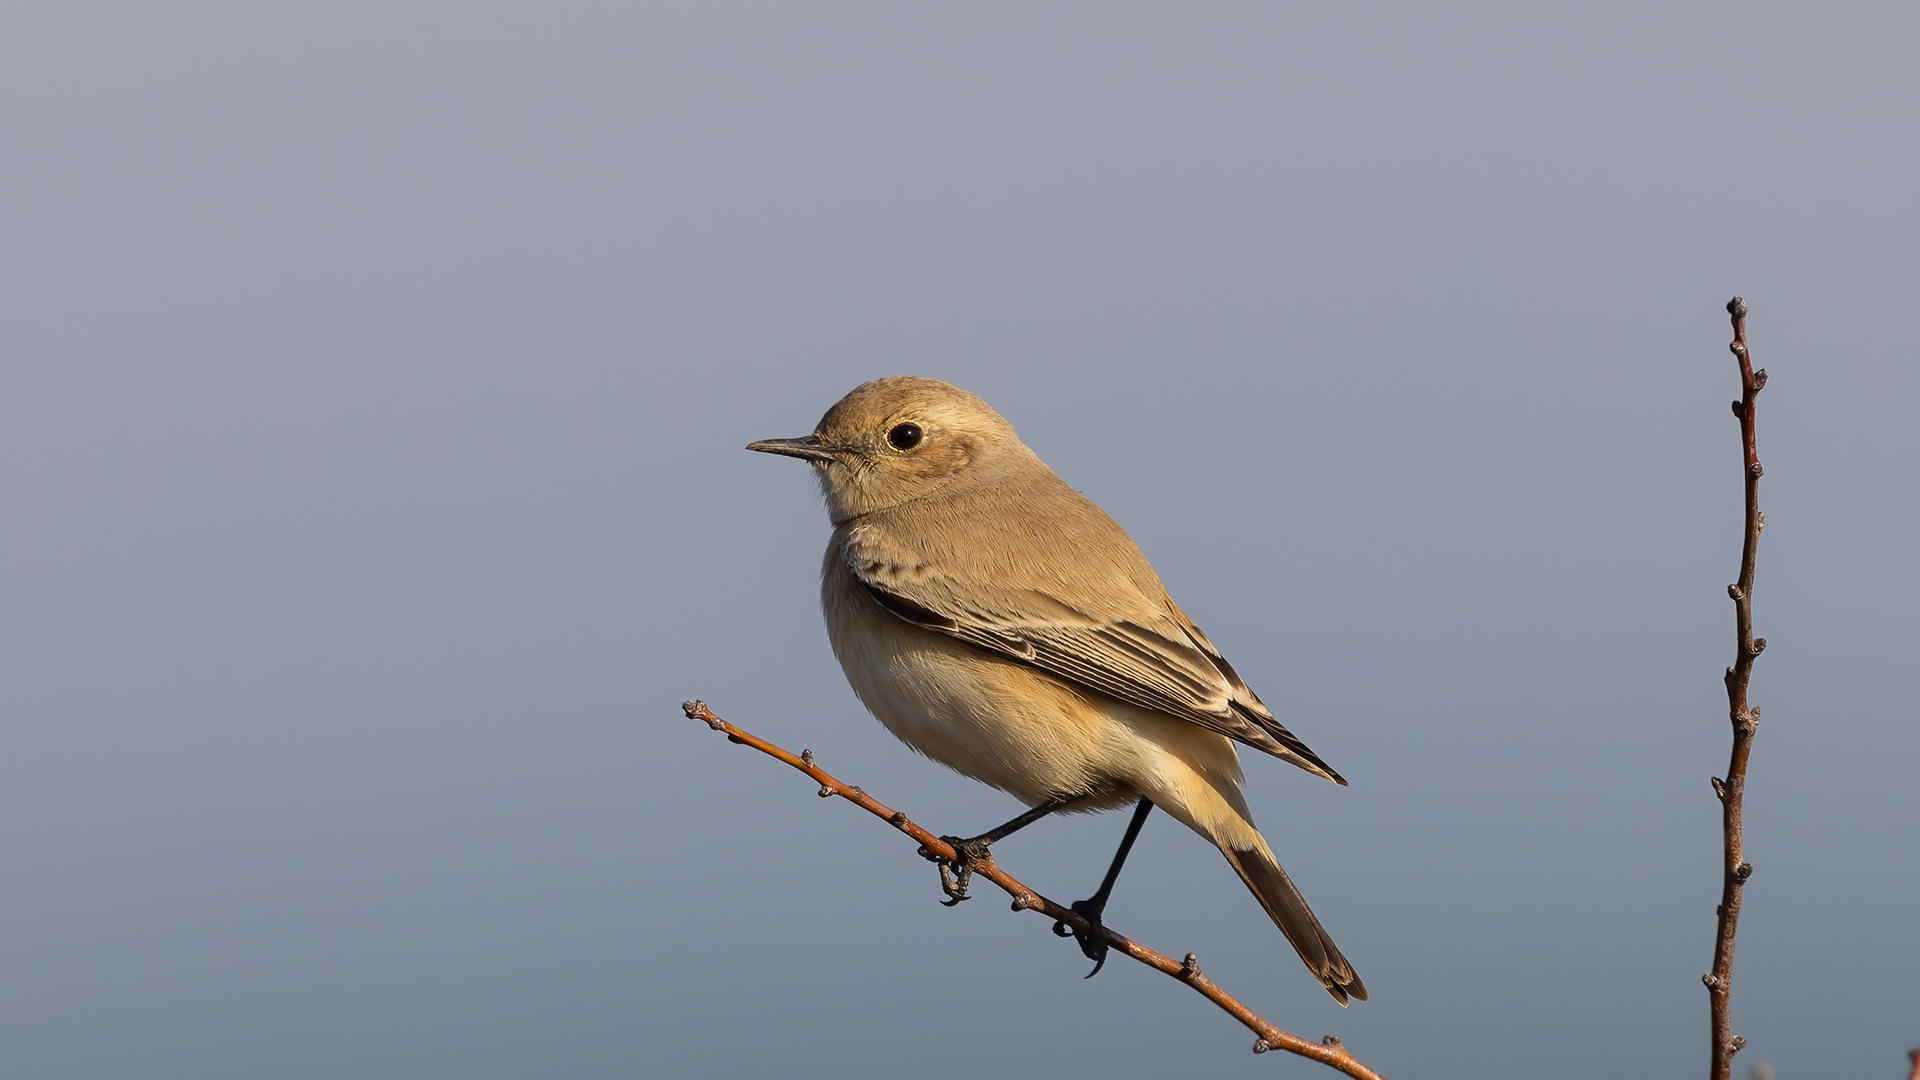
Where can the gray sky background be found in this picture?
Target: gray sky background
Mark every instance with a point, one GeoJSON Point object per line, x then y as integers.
{"type": "Point", "coordinates": [375, 382]}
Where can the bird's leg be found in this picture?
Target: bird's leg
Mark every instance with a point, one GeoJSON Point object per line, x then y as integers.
{"type": "Point", "coordinates": [972, 852]}
{"type": "Point", "coordinates": [1093, 942]}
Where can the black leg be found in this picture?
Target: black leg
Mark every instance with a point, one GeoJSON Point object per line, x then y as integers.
{"type": "Point", "coordinates": [973, 851]}
{"type": "Point", "coordinates": [1094, 943]}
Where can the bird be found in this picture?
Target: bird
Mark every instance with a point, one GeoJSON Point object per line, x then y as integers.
{"type": "Point", "coordinates": [998, 622]}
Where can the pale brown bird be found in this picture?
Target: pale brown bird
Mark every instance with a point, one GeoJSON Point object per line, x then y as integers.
{"type": "Point", "coordinates": [997, 621]}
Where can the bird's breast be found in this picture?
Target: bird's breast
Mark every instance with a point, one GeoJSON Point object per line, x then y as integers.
{"type": "Point", "coordinates": [995, 720]}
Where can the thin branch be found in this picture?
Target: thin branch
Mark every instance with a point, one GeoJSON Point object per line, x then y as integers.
{"type": "Point", "coordinates": [1745, 719]}
{"type": "Point", "coordinates": [1328, 1052]}
{"type": "Point", "coordinates": [1913, 1056]}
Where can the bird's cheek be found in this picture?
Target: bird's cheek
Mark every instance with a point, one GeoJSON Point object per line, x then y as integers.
{"type": "Point", "coordinates": [848, 490]}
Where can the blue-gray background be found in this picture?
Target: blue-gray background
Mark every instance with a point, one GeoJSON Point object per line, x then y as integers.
{"type": "Point", "coordinates": [375, 383]}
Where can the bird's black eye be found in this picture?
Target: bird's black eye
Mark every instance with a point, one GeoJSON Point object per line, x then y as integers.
{"type": "Point", "coordinates": [905, 436]}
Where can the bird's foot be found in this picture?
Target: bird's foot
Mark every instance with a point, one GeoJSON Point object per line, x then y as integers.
{"type": "Point", "coordinates": [957, 874]}
{"type": "Point", "coordinates": [1093, 940]}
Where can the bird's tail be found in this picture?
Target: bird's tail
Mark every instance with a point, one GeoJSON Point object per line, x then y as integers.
{"type": "Point", "coordinates": [1275, 891]}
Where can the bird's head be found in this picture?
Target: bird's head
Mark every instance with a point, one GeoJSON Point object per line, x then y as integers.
{"type": "Point", "coordinates": [894, 440]}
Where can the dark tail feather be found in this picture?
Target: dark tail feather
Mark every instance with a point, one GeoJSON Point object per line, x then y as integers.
{"type": "Point", "coordinates": [1275, 891]}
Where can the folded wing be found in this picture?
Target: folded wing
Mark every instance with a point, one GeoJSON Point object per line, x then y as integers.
{"type": "Point", "coordinates": [1161, 661]}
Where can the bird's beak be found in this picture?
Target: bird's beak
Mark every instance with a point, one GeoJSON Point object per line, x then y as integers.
{"type": "Point", "coordinates": [809, 448]}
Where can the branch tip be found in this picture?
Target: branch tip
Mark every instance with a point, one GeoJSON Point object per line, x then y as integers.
{"type": "Point", "coordinates": [1737, 308]}
{"type": "Point", "coordinates": [697, 710]}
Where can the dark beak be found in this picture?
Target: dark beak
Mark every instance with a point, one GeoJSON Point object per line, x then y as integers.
{"type": "Point", "coordinates": [808, 448]}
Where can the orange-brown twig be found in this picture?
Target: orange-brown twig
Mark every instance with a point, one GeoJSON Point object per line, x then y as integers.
{"type": "Point", "coordinates": [1746, 719]}
{"type": "Point", "coordinates": [1328, 1052]}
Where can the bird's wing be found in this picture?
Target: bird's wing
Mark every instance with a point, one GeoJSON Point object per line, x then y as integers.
{"type": "Point", "coordinates": [1155, 661]}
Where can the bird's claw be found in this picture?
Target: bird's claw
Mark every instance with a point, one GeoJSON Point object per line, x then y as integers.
{"type": "Point", "coordinates": [971, 854]}
{"type": "Point", "coordinates": [1093, 940]}
{"type": "Point", "coordinates": [955, 884]}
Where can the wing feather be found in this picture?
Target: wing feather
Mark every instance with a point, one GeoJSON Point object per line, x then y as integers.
{"type": "Point", "coordinates": [1170, 668]}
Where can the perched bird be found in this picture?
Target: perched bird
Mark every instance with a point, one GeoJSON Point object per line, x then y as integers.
{"type": "Point", "coordinates": [997, 621]}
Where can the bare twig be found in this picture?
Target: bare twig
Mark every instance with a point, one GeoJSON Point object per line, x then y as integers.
{"type": "Point", "coordinates": [1913, 1056]}
{"type": "Point", "coordinates": [1328, 1051]}
{"type": "Point", "coordinates": [1745, 719]}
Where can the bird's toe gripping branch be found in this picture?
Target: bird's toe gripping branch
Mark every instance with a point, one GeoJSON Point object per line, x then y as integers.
{"type": "Point", "coordinates": [957, 874]}
{"type": "Point", "coordinates": [1093, 940]}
